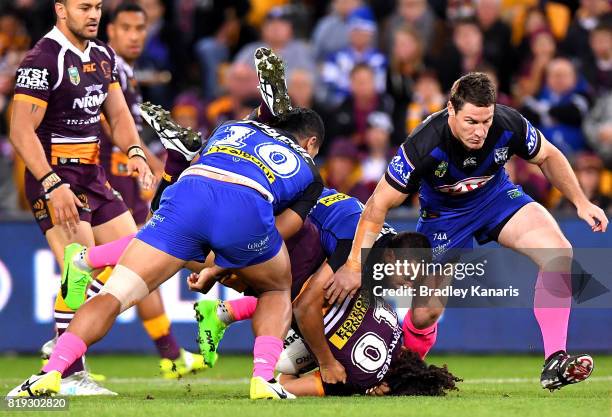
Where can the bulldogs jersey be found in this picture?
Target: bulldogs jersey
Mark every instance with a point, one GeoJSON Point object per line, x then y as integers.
{"type": "Point", "coordinates": [269, 157]}
{"type": "Point", "coordinates": [336, 216]}
{"type": "Point", "coordinates": [364, 335]}
{"type": "Point", "coordinates": [72, 85]}
{"type": "Point", "coordinates": [449, 177]}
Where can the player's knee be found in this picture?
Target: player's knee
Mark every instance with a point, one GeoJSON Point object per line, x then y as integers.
{"type": "Point", "coordinates": [126, 286]}
{"type": "Point", "coordinates": [557, 255]}
{"type": "Point", "coordinates": [425, 317]}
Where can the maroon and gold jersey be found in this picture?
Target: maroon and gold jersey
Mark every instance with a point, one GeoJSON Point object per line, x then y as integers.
{"type": "Point", "coordinates": [72, 85]}
{"type": "Point", "coordinates": [364, 335]}
{"type": "Point", "coordinates": [113, 160]}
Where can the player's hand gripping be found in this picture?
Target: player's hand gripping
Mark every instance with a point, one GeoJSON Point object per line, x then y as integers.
{"type": "Point", "coordinates": [594, 216]}
{"type": "Point", "coordinates": [65, 206]}
{"type": "Point", "coordinates": [346, 281]}
{"type": "Point", "coordinates": [205, 280]}
{"type": "Point", "coordinates": [332, 372]}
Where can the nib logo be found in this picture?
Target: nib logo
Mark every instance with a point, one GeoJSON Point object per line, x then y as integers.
{"type": "Point", "coordinates": [259, 360]}
{"type": "Point", "coordinates": [209, 340]}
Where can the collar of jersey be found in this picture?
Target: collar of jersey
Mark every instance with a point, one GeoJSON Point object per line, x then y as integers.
{"type": "Point", "coordinates": [60, 38]}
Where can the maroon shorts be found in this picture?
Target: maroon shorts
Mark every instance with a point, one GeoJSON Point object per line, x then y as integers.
{"type": "Point", "coordinates": [129, 190]}
{"type": "Point", "coordinates": [306, 254]}
{"type": "Point", "coordinates": [88, 182]}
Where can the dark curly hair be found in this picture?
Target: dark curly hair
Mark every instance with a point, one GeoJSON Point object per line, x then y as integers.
{"type": "Point", "coordinates": [410, 375]}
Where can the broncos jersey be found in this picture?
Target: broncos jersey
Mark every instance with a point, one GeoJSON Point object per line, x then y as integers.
{"type": "Point", "coordinates": [450, 178]}
{"type": "Point", "coordinates": [271, 158]}
{"type": "Point", "coordinates": [336, 216]}
{"type": "Point", "coordinates": [72, 86]}
{"type": "Point", "coordinates": [111, 157]}
{"type": "Point", "coordinates": [364, 335]}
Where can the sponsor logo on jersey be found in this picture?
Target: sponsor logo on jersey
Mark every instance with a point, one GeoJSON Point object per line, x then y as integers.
{"type": "Point", "coordinates": [260, 245]}
{"type": "Point", "coordinates": [466, 185]}
{"type": "Point", "coordinates": [347, 329]}
{"type": "Point", "coordinates": [397, 333]}
{"type": "Point", "coordinates": [40, 209]}
{"type": "Point", "coordinates": [242, 155]}
{"type": "Point", "coordinates": [400, 168]}
{"type": "Point", "coordinates": [514, 193]}
{"type": "Point", "coordinates": [91, 67]}
{"type": "Point", "coordinates": [501, 155]}
{"type": "Point", "coordinates": [73, 75]}
{"type": "Point", "coordinates": [469, 162]}
{"type": "Point", "coordinates": [92, 101]}
{"type": "Point", "coordinates": [334, 198]}
{"type": "Point", "coordinates": [33, 78]}
{"type": "Point", "coordinates": [441, 169]}
{"type": "Point", "coordinates": [441, 248]}
{"type": "Point", "coordinates": [531, 138]}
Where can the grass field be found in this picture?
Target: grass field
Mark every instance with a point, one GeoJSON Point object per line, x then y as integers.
{"type": "Point", "coordinates": [493, 386]}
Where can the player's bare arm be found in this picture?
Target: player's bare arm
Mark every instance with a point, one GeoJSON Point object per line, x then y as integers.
{"type": "Point", "coordinates": [558, 171]}
{"type": "Point", "coordinates": [156, 165]}
{"type": "Point", "coordinates": [125, 135]}
{"type": "Point", "coordinates": [28, 117]}
{"type": "Point", "coordinates": [288, 223]}
{"type": "Point", "coordinates": [308, 312]}
{"type": "Point", "coordinates": [347, 280]}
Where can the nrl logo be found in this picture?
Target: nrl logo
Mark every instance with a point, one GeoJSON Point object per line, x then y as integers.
{"type": "Point", "coordinates": [73, 73]}
{"type": "Point", "coordinates": [441, 169]}
{"type": "Point", "coordinates": [501, 155]}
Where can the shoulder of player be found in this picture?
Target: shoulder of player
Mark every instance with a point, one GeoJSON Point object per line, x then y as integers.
{"type": "Point", "coordinates": [507, 118]}
{"type": "Point", "coordinates": [428, 135]}
{"type": "Point", "coordinates": [44, 53]}
{"type": "Point", "coordinates": [104, 48]}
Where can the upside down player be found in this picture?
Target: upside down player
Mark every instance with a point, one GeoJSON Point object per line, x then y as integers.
{"type": "Point", "coordinates": [455, 159]}
{"type": "Point", "coordinates": [357, 345]}
{"type": "Point", "coordinates": [63, 85]}
{"type": "Point", "coordinates": [246, 167]}
{"type": "Point", "coordinates": [329, 229]}
{"type": "Point", "coordinates": [126, 34]}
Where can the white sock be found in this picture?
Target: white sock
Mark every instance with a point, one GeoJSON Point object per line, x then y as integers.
{"type": "Point", "coordinates": [224, 314]}
{"type": "Point", "coordinates": [80, 261]}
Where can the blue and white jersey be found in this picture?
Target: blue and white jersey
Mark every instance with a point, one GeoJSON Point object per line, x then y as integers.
{"type": "Point", "coordinates": [451, 178]}
{"type": "Point", "coordinates": [336, 215]}
{"type": "Point", "coordinates": [271, 158]}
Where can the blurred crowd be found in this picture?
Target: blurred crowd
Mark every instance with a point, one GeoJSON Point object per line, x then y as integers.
{"type": "Point", "coordinates": [372, 69]}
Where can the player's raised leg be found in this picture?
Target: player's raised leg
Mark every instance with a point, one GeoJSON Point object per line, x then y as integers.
{"type": "Point", "coordinates": [534, 232]}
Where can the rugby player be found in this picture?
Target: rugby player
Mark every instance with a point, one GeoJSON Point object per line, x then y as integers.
{"type": "Point", "coordinates": [126, 34]}
{"type": "Point", "coordinates": [455, 160]}
{"type": "Point", "coordinates": [63, 85]}
{"type": "Point", "coordinates": [322, 246]}
{"type": "Point", "coordinates": [246, 167]}
{"type": "Point", "coordinates": [340, 338]}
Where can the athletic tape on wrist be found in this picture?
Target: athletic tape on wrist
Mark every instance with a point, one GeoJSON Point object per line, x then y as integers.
{"type": "Point", "coordinates": [136, 150]}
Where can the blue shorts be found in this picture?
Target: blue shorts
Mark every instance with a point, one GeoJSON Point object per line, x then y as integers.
{"type": "Point", "coordinates": [457, 229]}
{"type": "Point", "coordinates": [199, 214]}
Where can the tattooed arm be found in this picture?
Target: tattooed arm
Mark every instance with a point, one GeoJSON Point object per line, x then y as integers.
{"type": "Point", "coordinates": [24, 121]}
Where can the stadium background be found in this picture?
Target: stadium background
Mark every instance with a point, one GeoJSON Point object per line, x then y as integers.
{"type": "Point", "coordinates": [196, 63]}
